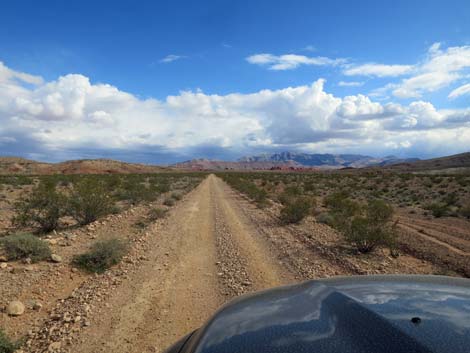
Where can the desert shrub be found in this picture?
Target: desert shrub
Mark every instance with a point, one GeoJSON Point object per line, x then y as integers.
{"type": "Point", "coordinates": [325, 218]}
{"type": "Point", "coordinates": [135, 192]}
{"type": "Point", "coordinates": [6, 344]}
{"type": "Point", "coordinates": [462, 181]}
{"type": "Point", "coordinates": [113, 182]}
{"type": "Point", "coordinates": [293, 190]}
{"type": "Point", "coordinates": [372, 228]}
{"type": "Point", "coordinates": [342, 209]}
{"type": "Point", "coordinates": [140, 224]}
{"type": "Point", "coordinates": [42, 208]}
{"type": "Point", "coordinates": [438, 209]}
{"type": "Point", "coordinates": [309, 186]}
{"type": "Point", "coordinates": [162, 187]}
{"type": "Point", "coordinates": [101, 256]}
{"type": "Point", "coordinates": [465, 209]}
{"type": "Point", "coordinates": [427, 183]}
{"type": "Point", "coordinates": [296, 210]}
{"type": "Point", "coordinates": [176, 195]}
{"type": "Point", "coordinates": [334, 199]}
{"type": "Point", "coordinates": [284, 198]}
{"type": "Point", "coordinates": [89, 201]}
{"type": "Point", "coordinates": [156, 213]}
{"type": "Point", "coordinates": [169, 202]}
{"type": "Point", "coordinates": [16, 180]}
{"type": "Point", "coordinates": [115, 209]}
{"type": "Point", "coordinates": [258, 195]}
{"type": "Point", "coordinates": [21, 246]}
{"type": "Point", "coordinates": [289, 195]}
{"type": "Point", "coordinates": [451, 199]}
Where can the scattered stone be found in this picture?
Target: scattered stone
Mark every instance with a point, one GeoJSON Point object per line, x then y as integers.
{"type": "Point", "coordinates": [3, 265]}
{"type": "Point", "coordinates": [56, 258]}
{"type": "Point", "coordinates": [15, 308]}
{"type": "Point", "coordinates": [54, 346]}
{"type": "Point", "coordinates": [3, 258]}
{"type": "Point", "coordinates": [37, 306]}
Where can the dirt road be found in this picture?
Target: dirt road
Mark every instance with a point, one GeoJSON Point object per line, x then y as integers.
{"type": "Point", "coordinates": [214, 245]}
{"type": "Point", "coordinates": [206, 254]}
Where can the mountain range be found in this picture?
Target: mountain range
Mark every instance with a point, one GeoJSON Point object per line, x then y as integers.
{"type": "Point", "coordinates": [327, 160]}
{"type": "Point", "coordinates": [293, 160]}
{"type": "Point", "coordinates": [274, 161]}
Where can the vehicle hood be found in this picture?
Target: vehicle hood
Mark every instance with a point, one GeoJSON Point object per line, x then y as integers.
{"type": "Point", "coordinates": [349, 314]}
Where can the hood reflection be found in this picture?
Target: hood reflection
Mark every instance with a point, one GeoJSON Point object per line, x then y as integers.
{"type": "Point", "coordinates": [337, 317]}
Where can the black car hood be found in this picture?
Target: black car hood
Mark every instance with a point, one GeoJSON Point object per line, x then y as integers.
{"type": "Point", "coordinates": [350, 314]}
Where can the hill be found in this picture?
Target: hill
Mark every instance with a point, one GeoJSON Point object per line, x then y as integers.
{"type": "Point", "coordinates": [461, 160]}
{"type": "Point", "coordinates": [15, 165]}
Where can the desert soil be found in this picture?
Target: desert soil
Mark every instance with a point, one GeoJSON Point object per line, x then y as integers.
{"type": "Point", "coordinates": [214, 245]}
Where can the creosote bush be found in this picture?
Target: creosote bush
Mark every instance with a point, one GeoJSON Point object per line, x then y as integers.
{"type": "Point", "coordinates": [42, 208]}
{"type": "Point", "coordinates": [176, 195]}
{"type": "Point", "coordinates": [465, 209]}
{"type": "Point", "coordinates": [342, 210]}
{"type": "Point", "coordinates": [156, 213]}
{"type": "Point", "coordinates": [21, 246]}
{"type": "Point", "coordinates": [101, 256]}
{"type": "Point", "coordinates": [135, 192]}
{"type": "Point", "coordinates": [258, 195]}
{"type": "Point", "coordinates": [169, 202]}
{"type": "Point", "coordinates": [438, 209]}
{"type": "Point", "coordinates": [325, 218]}
{"type": "Point", "coordinates": [89, 201]}
{"type": "Point", "coordinates": [296, 210]}
{"type": "Point", "coordinates": [372, 227]}
{"type": "Point", "coordinates": [6, 344]}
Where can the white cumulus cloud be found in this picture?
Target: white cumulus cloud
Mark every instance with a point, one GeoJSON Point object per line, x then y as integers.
{"type": "Point", "coordinates": [439, 69]}
{"type": "Point", "coordinates": [73, 114]}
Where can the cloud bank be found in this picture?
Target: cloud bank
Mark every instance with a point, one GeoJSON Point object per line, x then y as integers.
{"type": "Point", "coordinates": [72, 117]}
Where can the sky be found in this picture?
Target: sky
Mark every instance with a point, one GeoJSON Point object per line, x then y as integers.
{"type": "Point", "coordinates": [165, 81]}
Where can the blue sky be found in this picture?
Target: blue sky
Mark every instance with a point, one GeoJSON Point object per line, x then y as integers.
{"type": "Point", "coordinates": [161, 81]}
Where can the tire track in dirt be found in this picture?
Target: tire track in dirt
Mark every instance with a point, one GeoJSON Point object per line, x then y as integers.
{"type": "Point", "coordinates": [434, 239]}
{"type": "Point", "coordinates": [246, 263]}
{"type": "Point", "coordinates": [449, 235]}
{"type": "Point", "coordinates": [304, 255]}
